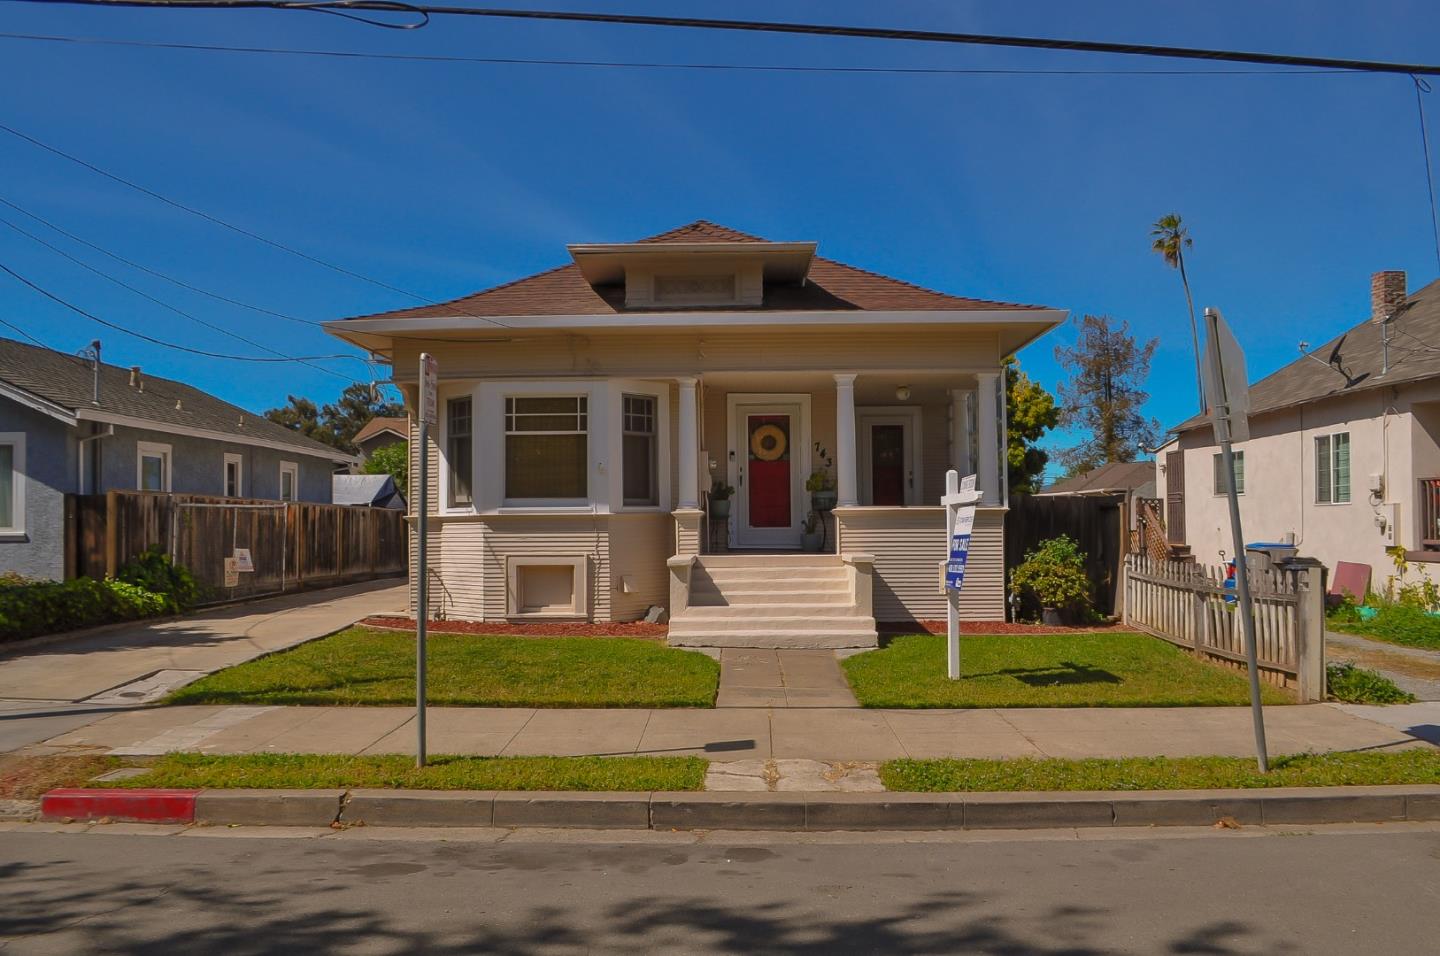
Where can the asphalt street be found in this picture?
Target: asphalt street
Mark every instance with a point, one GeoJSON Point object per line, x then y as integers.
{"type": "Point", "coordinates": [251, 891]}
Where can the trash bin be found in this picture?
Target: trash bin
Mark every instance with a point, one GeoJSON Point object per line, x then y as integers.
{"type": "Point", "coordinates": [1263, 555]}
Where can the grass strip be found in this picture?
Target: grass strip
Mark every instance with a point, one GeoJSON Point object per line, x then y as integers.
{"type": "Point", "coordinates": [327, 771]}
{"type": "Point", "coordinates": [369, 667]}
{"type": "Point", "coordinates": [1046, 670]}
{"type": "Point", "coordinates": [1163, 773]}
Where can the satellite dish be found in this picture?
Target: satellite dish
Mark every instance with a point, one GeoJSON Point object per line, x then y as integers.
{"type": "Point", "coordinates": [1335, 352]}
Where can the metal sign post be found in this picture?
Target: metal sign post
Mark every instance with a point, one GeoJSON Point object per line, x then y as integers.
{"type": "Point", "coordinates": [1228, 394]}
{"type": "Point", "coordinates": [429, 374]}
{"type": "Point", "coordinates": [959, 503]}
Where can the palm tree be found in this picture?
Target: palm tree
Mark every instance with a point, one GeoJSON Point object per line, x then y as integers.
{"type": "Point", "coordinates": [1170, 239]}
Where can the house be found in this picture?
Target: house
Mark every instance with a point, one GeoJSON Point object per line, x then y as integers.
{"type": "Point", "coordinates": [380, 432]}
{"type": "Point", "coordinates": [71, 425]}
{"type": "Point", "coordinates": [1344, 447]}
{"type": "Point", "coordinates": [367, 491]}
{"type": "Point", "coordinates": [587, 412]}
{"type": "Point", "coordinates": [1131, 479]}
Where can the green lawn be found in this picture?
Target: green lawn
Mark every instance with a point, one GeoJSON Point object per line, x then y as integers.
{"type": "Point", "coordinates": [364, 666]}
{"type": "Point", "coordinates": [1163, 773]}
{"type": "Point", "coordinates": [1059, 670]}
{"type": "Point", "coordinates": [326, 771]}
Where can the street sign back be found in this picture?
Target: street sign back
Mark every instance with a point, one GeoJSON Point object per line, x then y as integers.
{"type": "Point", "coordinates": [429, 386]}
{"type": "Point", "coordinates": [1227, 387]}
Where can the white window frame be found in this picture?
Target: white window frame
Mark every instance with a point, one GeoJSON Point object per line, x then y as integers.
{"type": "Point", "coordinates": [293, 470]}
{"type": "Point", "coordinates": [590, 483]}
{"type": "Point", "coordinates": [1216, 469]}
{"type": "Point", "coordinates": [654, 434]}
{"type": "Point", "coordinates": [615, 442]}
{"type": "Point", "coordinates": [152, 448]}
{"type": "Point", "coordinates": [16, 530]}
{"type": "Point", "coordinates": [1329, 438]}
{"type": "Point", "coordinates": [238, 460]}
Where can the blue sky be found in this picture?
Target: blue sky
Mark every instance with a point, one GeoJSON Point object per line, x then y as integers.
{"type": "Point", "coordinates": [444, 178]}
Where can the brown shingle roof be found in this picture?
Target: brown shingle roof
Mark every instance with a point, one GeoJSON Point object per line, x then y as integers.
{"type": "Point", "coordinates": [1414, 356]}
{"type": "Point", "coordinates": [1112, 476]}
{"type": "Point", "coordinates": [831, 286]}
{"type": "Point", "coordinates": [380, 423]}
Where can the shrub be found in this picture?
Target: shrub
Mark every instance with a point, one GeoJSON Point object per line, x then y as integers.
{"type": "Point", "coordinates": [1399, 624]}
{"type": "Point", "coordinates": [1054, 573]}
{"type": "Point", "coordinates": [45, 607]}
{"type": "Point", "coordinates": [1356, 685]}
{"type": "Point", "coordinates": [153, 571]}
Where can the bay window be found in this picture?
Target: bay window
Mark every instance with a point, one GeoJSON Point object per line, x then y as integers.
{"type": "Point", "coordinates": [638, 450]}
{"type": "Point", "coordinates": [546, 447]}
{"type": "Point", "coordinates": [459, 451]}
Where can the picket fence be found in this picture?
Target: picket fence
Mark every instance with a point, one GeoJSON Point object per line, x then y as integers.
{"type": "Point", "coordinates": [1189, 605]}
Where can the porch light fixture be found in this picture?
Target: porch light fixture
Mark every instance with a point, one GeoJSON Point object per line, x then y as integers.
{"type": "Point", "coordinates": [902, 393]}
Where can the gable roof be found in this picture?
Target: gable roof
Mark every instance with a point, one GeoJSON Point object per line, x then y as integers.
{"type": "Point", "coordinates": [1112, 476]}
{"type": "Point", "coordinates": [67, 383]}
{"type": "Point", "coordinates": [381, 424]}
{"type": "Point", "coordinates": [1414, 356]}
{"type": "Point", "coordinates": [830, 286]}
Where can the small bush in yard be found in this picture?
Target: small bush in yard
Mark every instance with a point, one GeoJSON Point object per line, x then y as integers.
{"type": "Point", "coordinates": [1396, 623]}
{"type": "Point", "coordinates": [153, 571]}
{"type": "Point", "coordinates": [1356, 685]}
{"type": "Point", "coordinates": [1054, 574]}
{"type": "Point", "coordinates": [45, 607]}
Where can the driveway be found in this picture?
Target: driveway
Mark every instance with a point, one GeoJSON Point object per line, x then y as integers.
{"type": "Point", "coordinates": [55, 687]}
{"type": "Point", "coordinates": [1411, 668]}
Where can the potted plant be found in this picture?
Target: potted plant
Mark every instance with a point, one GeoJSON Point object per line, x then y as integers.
{"type": "Point", "coordinates": [720, 493]}
{"type": "Point", "coordinates": [821, 484]}
{"type": "Point", "coordinates": [813, 532]}
{"type": "Point", "coordinates": [1054, 575]}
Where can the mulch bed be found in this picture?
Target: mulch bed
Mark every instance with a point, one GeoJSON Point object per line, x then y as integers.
{"type": "Point", "coordinates": [503, 629]}
{"type": "Point", "coordinates": [658, 631]}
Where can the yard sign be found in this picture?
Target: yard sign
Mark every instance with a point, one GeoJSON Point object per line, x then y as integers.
{"type": "Point", "coordinates": [959, 504]}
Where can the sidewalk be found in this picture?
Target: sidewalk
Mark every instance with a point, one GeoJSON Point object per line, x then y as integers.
{"type": "Point", "coordinates": [734, 733]}
{"type": "Point", "coordinates": [54, 687]}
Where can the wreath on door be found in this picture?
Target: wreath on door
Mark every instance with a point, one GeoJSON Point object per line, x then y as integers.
{"type": "Point", "coordinates": [768, 442]}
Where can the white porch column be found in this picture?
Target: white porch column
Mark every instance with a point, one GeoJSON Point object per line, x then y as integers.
{"type": "Point", "coordinates": [987, 430]}
{"type": "Point", "coordinates": [689, 450]}
{"type": "Point", "coordinates": [846, 483]}
{"type": "Point", "coordinates": [960, 431]}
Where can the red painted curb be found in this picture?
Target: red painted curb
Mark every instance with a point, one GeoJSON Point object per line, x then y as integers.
{"type": "Point", "coordinates": [145, 806]}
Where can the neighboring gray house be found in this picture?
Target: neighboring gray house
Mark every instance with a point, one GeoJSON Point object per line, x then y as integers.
{"type": "Point", "coordinates": [69, 425]}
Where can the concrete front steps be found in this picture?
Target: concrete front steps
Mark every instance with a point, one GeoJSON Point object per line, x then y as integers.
{"type": "Point", "coordinates": [771, 600]}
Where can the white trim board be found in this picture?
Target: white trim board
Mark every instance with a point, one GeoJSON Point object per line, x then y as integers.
{"type": "Point", "coordinates": [33, 401]}
{"type": "Point", "coordinates": [128, 421]}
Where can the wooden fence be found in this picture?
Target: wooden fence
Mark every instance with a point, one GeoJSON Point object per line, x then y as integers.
{"type": "Point", "coordinates": [1188, 604]}
{"type": "Point", "coordinates": [292, 545]}
{"type": "Point", "coordinates": [1097, 523]}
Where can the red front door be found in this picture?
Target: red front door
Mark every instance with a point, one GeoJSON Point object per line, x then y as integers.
{"type": "Point", "coordinates": [767, 484]}
{"type": "Point", "coordinates": [887, 464]}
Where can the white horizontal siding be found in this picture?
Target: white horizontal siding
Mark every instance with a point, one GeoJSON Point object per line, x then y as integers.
{"type": "Point", "coordinates": [909, 546]}
{"type": "Point", "coordinates": [639, 545]}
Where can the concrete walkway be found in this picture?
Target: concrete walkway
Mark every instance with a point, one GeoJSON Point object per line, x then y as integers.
{"type": "Point", "coordinates": [1411, 668]}
{"type": "Point", "coordinates": [762, 677]}
{"type": "Point", "coordinates": [734, 733]}
{"type": "Point", "coordinates": [51, 687]}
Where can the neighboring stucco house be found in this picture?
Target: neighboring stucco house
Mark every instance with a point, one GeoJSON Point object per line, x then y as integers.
{"type": "Point", "coordinates": [586, 412]}
{"type": "Point", "coordinates": [69, 425]}
{"type": "Point", "coordinates": [381, 432]}
{"type": "Point", "coordinates": [1344, 456]}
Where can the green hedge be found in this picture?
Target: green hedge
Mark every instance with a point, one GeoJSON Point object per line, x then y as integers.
{"type": "Point", "coordinates": [45, 607]}
{"type": "Point", "coordinates": [146, 587]}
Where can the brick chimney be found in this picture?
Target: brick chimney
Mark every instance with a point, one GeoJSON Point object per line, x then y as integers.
{"type": "Point", "coordinates": [1387, 294]}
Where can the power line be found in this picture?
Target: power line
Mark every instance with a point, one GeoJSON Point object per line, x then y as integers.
{"type": "Point", "coordinates": [229, 225]}
{"type": "Point", "coordinates": [763, 26]}
{"type": "Point", "coordinates": [149, 271]}
{"type": "Point", "coordinates": [1422, 87]}
{"type": "Point", "coordinates": [166, 305]}
{"type": "Point", "coordinates": [651, 65]}
{"type": "Point", "coordinates": [147, 338]}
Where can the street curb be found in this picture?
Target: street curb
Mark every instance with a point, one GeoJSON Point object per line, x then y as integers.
{"type": "Point", "coordinates": [136, 806]}
{"type": "Point", "coordinates": [750, 811]}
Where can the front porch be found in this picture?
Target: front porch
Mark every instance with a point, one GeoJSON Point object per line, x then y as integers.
{"type": "Point", "coordinates": [815, 511]}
